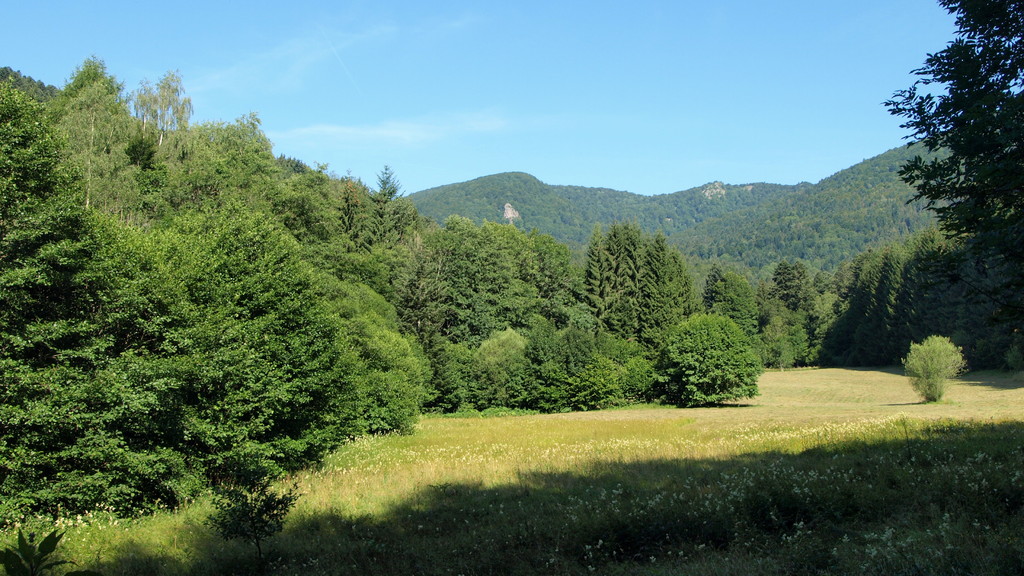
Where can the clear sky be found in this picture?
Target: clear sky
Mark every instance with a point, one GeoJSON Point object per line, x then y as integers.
{"type": "Point", "coordinates": [646, 96]}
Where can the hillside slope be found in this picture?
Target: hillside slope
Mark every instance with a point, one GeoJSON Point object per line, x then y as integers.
{"type": "Point", "coordinates": [569, 213]}
{"type": "Point", "coordinates": [753, 224]}
{"type": "Point", "coordinates": [824, 224]}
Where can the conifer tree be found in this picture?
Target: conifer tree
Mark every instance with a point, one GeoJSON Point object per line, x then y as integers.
{"type": "Point", "coordinates": [599, 279]}
{"type": "Point", "coordinates": [625, 249]}
{"type": "Point", "coordinates": [728, 294]}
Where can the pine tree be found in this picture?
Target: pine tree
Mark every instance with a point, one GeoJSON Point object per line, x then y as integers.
{"type": "Point", "coordinates": [599, 279]}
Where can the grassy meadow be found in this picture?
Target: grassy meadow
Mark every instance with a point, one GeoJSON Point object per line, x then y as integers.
{"type": "Point", "coordinates": [826, 472]}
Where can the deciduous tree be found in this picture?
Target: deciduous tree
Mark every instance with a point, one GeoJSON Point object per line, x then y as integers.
{"type": "Point", "coordinates": [707, 359]}
{"type": "Point", "coordinates": [968, 107]}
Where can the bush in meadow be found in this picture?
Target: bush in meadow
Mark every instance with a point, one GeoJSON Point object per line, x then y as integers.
{"type": "Point", "coordinates": [707, 359]}
{"type": "Point", "coordinates": [931, 364]}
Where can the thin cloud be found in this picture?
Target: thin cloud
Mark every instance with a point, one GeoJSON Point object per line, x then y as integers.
{"type": "Point", "coordinates": [290, 62]}
{"type": "Point", "coordinates": [406, 133]}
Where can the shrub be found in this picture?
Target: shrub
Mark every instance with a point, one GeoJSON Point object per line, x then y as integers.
{"type": "Point", "coordinates": [931, 364]}
{"type": "Point", "coordinates": [597, 386]}
{"type": "Point", "coordinates": [707, 359]}
{"type": "Point", "coordinates": [501, 370]}
{"type": "Point", "coordinates": [247, 506]}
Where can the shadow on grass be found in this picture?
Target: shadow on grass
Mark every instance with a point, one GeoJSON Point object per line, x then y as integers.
{"type": "Point", "coordinates": [994, 379]}
{"type": "Point", "coordinates": [894, 505]}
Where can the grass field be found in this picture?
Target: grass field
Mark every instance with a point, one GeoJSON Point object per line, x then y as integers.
{"type": "Point", "coordinates": [826, 472]}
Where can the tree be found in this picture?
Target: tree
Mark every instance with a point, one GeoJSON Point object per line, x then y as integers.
{"type": "Point", "coordinates": [388, 187]}
{"type": "Point", "coordinates": [93, 118]}
{"type": "Point", "coordinates": [390, 217]}
{"type": "Point", "coordinates": [636, 285]}
{"type": "Point", "coordinates": [599, 279]}
{"type": "Point", "coordinates": [625, 244]}
{"type": "Point", "coordinates": [931, 364]}
{"type": "Point", "coordinates": [163, 108]}
{"type": "Point", "coordinates": [968, 109]}
{"type": "Point", "coordinates": [82, 419]}
{"type": "Point", "coordinates": [37, 90]}
{"type": "Point", "coordinates": [262, 361]}
{"type": "Point", "coordinates": [666, 290]}
{"type": "Point", "coordinates": [791, 283]}
{"type": "Point", "coordinates": [597, 386]}
{"type": "Point", "coordinates": [220, 161]}
{"type": "Point", "coordinates": [247, 507]}
{"type": "Point", "coordinates": [501, 367]}
{"type": "Point", "coordinates": [47, 335]}
{"type": "Point", "coordinates": [707, 359]}
{"type": "Point", "coordinates": [726, 293]}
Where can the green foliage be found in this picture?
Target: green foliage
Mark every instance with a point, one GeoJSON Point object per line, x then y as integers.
{"type": "Point", "coordinates": [466, 282]}
{"type": "Point", "coordinates": [792, 319]}
{"type": "Point", "coordinates": [869, 294]}
{"type": "Point", "coordinates": [35, 89]}
{"type": "Point", "coordinates": [31, 559]}
{"type": "Point", "coordinates": [570, 213]}
{"type": "Point", "coordinates": [1015, 355]}
{"type": "Point", "coordinates": [638, 380]}
{"type": "Point", "coordinates": [967, 108]}
{"type": "Point", "coordinates": [726, 293]}
{"type": "Point", "coordinates": [822, 224]}
{"type": "Point", "coordinates": [906, 292]}
{"type": "Point", "coordinates": [137, 363]}
{"type": "Point", "coordinates": [31, 170]}
{"type": "Point", "coordinates": [783, 341]}
{"type": "Point", "coordinates": [931, 364]}
{"type": "Point", "coordinates": [218, 162]}
{"type": "Point", "coordinates": [791, 284]}
{"type": "Point", "coordinates": [454, 376]}
{"type": "Point", "coordinates": [636, 285]}
{"type": "Point", "coordinates": [393, 377]}
{"type": "Point", "coordinates": [257, 350]}
{"type": "Point", "coordinates": [756, 224]}
{"type": "Point", "coordinates": [707, 359]}
{"type": "Point", "coordinates": [501, 367]}
{"type": "Point", "coordinates": [57, 329]}
{"type": "Point", "coordinates": [247, 507]}
{"type": "Point", "coordinates": [163, 108]}
{"type": "Point", "coordinates": [92, 117]}
{"type": "Point", "coordinates": [597, 386]}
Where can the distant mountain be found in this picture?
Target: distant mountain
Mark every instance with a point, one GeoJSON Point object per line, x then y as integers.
{"type": "Point", "coordinates": [569, 213]}
{"type": "Point", "coordinates": [34, 88]}
{"type": "Point", "coordinates": [753, 224]}
{"type": "Point", "coordinates": [823, 224]}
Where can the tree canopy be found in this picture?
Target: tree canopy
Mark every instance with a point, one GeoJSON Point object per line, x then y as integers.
{"type": "Point", "coordinates": [968, 106]}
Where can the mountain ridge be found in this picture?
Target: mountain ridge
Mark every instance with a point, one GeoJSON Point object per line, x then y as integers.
{"type": "Point", "coordinates": [753, 224]}
{"type": "Point", "coordinates": [569, 212]}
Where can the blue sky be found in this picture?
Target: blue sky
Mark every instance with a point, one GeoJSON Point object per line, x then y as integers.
{"type": "Point", "coordinates": [645, 96]}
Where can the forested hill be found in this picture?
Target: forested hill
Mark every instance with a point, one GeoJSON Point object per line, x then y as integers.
{"type": "Point", "coordinates": [753, 224]}
{"type": "Point", "coordinates": [569, 213]}
{"type": "Point", "coordinates": [824, 224]}
{"type": "Point", "coordinates": [34, 88]}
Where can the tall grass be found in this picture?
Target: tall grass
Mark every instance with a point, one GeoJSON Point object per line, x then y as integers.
{"type": "Point", "coordinates": [808, 479]}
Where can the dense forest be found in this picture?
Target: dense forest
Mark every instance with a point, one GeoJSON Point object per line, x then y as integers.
{"type": "Point", "coordinates": [823, 224]}
{"type": "Point", "coordinates": [177, 302]}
